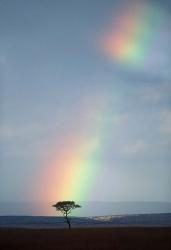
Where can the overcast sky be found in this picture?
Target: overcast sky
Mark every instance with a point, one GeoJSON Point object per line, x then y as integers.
{"type": "Point", "coordinates": [63, 93]}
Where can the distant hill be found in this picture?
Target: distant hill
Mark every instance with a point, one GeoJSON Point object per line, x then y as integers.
{"type": "Point", "coordinates": [97, 221]}
{"type": "Point", "coordinates": [88, 208]}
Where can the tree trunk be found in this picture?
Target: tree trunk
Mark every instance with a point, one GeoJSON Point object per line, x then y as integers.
{"type": "Point", "coordinates": [68, 221]}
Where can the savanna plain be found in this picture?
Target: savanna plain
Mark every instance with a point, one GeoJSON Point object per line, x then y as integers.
{"type": "Point", "coordinates": [119, 238]}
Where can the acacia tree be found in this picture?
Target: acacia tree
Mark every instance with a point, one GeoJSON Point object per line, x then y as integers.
{"type": "Point", "coordinates": [65, 207]}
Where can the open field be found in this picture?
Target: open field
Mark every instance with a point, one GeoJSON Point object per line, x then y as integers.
{"type": "Point", "coordinates": [89, 239]}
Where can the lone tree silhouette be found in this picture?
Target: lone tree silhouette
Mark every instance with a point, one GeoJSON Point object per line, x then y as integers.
{"type": "Point", "coordinates": [65, 207]}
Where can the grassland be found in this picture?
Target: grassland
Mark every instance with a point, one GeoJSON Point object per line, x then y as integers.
{"type": "Point", "coordinates": [87, 239]}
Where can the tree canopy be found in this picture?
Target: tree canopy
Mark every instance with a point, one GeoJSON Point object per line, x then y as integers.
{"type": "Point", "coordinates": [65, 207]}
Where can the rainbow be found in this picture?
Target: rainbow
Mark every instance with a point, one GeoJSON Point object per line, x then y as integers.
{"type": "Point", "coordinates": [71, 170]}
{"type": "Point", "coordinates": [132, 37]}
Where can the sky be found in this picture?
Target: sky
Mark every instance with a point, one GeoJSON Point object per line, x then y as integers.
{"type": "Point", "coordinates": [85, 89]}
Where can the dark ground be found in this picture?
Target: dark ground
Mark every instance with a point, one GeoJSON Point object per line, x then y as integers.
{"type": "Point", "coordinates": [89, 239]}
